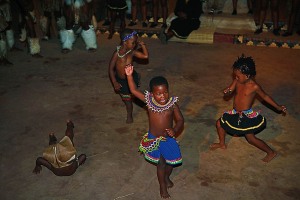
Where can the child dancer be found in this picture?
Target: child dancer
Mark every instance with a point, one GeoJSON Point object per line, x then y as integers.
{"type": "Point", "coordinates": [159, 144]}
{"type": "Point", "coordinates": [122, 57]}
{"type": "Point", "coordinates": [242, 120]}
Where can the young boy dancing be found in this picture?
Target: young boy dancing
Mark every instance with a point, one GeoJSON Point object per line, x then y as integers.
{"type": "Point", "coordinates": [121, 58]}
{"type": "Point", "coordinates": [242, 120]}
{"type": "Point", "coordinates": [60, 157]}
{"type": "Point", "coordinates": [159, 144]}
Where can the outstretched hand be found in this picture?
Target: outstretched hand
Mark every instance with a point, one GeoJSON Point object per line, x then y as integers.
{"type": "Point", "coordinates": [283, 110]}
{"type": "Point", "coordinates": [227, 91]}
{"type": "Point", "coordinates": [129, 70]}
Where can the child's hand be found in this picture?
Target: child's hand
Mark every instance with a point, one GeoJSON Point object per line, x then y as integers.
{"type": "Point", "coordinates": [283, 110]}
{"type": "Point", "coordinates": [227, 91]}
{"type": "Point", "coordinates": [170, 132]}
{"type": "Point", "coordinates": [129, 70]}
{"type": "Point", "coordinates": [117, 86]}
{"type": "Point", "coordinates": [141, 43]}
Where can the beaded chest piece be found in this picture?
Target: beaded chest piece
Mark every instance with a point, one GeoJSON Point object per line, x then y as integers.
{"type": "Point", "coordinates": [156, 107]}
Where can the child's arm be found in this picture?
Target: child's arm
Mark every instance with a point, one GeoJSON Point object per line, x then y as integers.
{"type": "Point", "coordinates": [179, 123]}
{"type": "Point", "coordinates": [132, 86]}
{"type": "Point", "coordinates": [268, 99]}
{"type": "Point", "coordinates": [142, 54]}
{"type": "Point", "coordinates": [231, 87]}
{"type": "Point", "coordinates": [111, 72]}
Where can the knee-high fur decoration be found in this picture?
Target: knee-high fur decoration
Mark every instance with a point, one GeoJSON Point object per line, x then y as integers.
{"type": "Point", "coordinates": [23, 35]}
{"type": "Point", "coordinates": [10, 38]}
{"type": "Point", "coordinates": [61, 23]}
{"type": "Point", "coordinates": [34, 46]}
{"type": "Point", "coordinates": [77, 3]}
{"type": "Point", "coordinates": [89, 37]}
{"type": "Point", "coordinates": [32, 15]}
{"type": "Point", "coordinates": [67, 38]}
{"type": "Point", "coordinates": [3, 49]}
{"type": "Point", "coordinates": [43, 24]}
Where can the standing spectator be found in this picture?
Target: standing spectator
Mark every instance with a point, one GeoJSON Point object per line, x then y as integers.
{"type": "Point", "coordinates": [264, 4]}
{"type": "Point", "coordinates": [249, 4]}
{"type": "Point", "coordinates": [7, 40]}
{"type": "Point", "coordinates": [78, 15]}
{"type": "Point", "coordinates": [134, 20]}
{"type": "Point", "coordinates": [50, 7]}
{"type": "Point", "coordinates": [293, 14]}
{"type": "Point", "coordinates": [164, 9]}
{"type": "Point", "coordinates": [116, 8]}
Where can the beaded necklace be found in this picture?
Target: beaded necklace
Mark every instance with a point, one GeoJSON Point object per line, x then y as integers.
{"type": "Point", "coordinates": [156, 107]}
{"type": "Point", "coordinates": [122, 56]}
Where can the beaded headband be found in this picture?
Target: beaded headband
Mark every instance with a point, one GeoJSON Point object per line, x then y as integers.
{"type": "Point", "coordinates": [127, 37]}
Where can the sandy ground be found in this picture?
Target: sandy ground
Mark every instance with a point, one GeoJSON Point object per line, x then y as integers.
{"type": "Point", "coordinates": [38, 95]}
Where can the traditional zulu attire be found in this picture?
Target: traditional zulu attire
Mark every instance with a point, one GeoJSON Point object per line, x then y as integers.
{"type": "Point", "coordinates": [48, 7]}
{"type": "Point", "coordinates": [76, 17]}
{"type": "Point", "coordinates": [7, 40]}
{"type": "Point", "coordinates": [26, 8]}
{"type": "Point", "coordinates": [61, 154]}
{"type": "Point", "coordinates": [154, 147]}
{"type": "Point", "coordinates": [183, 27]}
{"type": "Point", "coordinates": [239, 123]}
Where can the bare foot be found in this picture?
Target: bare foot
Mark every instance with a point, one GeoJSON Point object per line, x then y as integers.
{"type": "Point", "coordinates": [70, 124]}
{"type": "Point", "coordinates": [269, 157]}
{"type": "Point", "coordinates": [129, 120]}
{"type": "Point", "coordinates": [215, 146]}
{"type": "Point", "coordinates": [164, 193]}
{"type": "Point", "coordinates": [170, 184]}
{"type": "Point", "coordinates": [92, 50]}
{"type": "Point", "coordinates": [65, 51]}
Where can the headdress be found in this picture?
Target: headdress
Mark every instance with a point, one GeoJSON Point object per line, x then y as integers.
{"type": "Point", "coordinates": [127, 37]}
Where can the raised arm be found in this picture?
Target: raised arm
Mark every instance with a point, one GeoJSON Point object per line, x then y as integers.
{"type": "Point", "coordinates": [231, 87]}
{"type": "Point", "coordinates": [132, 86]}
{"type": "Point", "coordinates": [142, 54]}
{"type": "Point", "coordinates": [268, 99]}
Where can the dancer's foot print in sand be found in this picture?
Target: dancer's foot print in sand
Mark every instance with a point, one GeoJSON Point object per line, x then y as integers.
{"type": "Point", "coordinates": [269, 157]}
{"type": "Point", "coordinates": [215, 146]}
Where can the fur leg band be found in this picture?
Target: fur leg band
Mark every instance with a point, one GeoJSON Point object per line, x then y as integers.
{"type": "Point", "coordinates": [89, 37]}
{"type": "Point", "coordinates": [67, 38]}
{"type": "Point", "coordinates": [3, 49]}
{"type": "Point", "coordinates": [61, 23]}
{"type": "Point", "coordinates": [10, 38]}
{"type": "Point", "coordinates": [34, 46]}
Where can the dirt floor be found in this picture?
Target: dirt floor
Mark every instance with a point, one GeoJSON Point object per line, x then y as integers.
{"type": "Point", "coordinates": [38, 95]}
